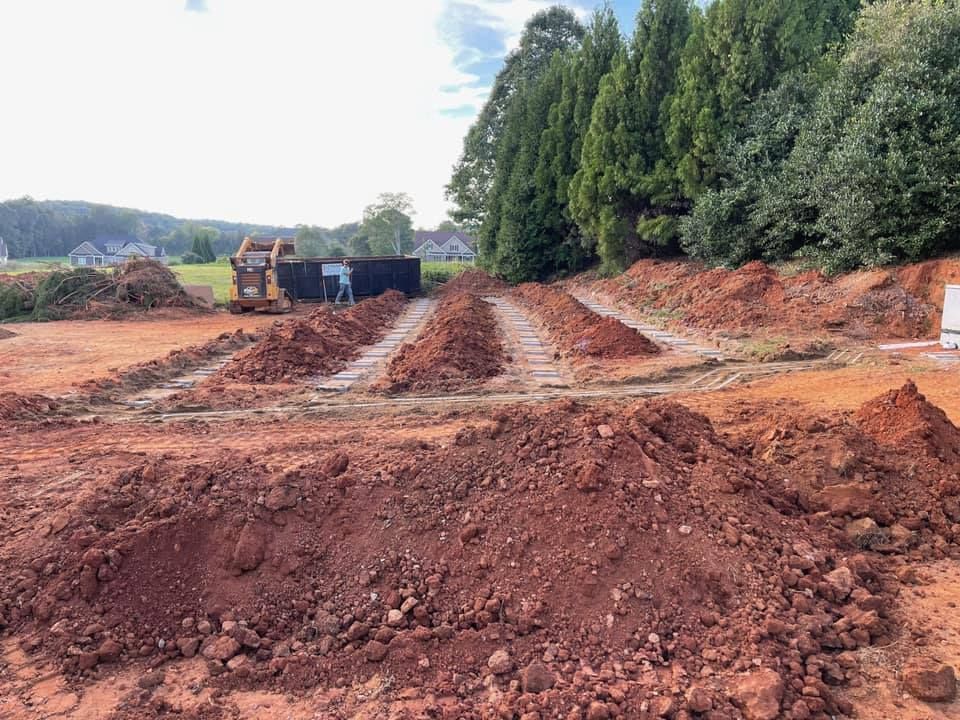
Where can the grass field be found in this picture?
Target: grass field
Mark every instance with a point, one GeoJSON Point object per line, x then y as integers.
{"type": "Point", "coordinates": [15, 267]}
{"type": "Point", "coordinates": [217, 275]}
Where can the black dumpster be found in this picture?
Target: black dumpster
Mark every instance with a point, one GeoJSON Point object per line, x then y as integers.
{"type": "Point", "coordinates": [318, 278]}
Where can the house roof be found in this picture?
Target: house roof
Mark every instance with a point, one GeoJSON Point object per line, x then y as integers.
{"type": "Point", "coordinates": [128, 245]}
{"type": "Point", "coordinates": [422, 237]}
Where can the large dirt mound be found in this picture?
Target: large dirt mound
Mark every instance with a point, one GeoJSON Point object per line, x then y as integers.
{"type": "Point", "coordinates": [615, 560]}
{"type": "Point", "coordinates": [905, 302]}
{"type": "Point", "coordinates": [319, 344]}
{"type": "Point", "coordinates": [905, 418]}
{"type": "Point", "coordinates": [476, 282]}
{"type": "Point", "coordinates": [459, 347]}
{"type": "Point", "coordinates": [579, 331]}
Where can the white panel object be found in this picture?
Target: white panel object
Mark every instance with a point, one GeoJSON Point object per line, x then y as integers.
{"type": "Point", "coordinates": [950, 325]}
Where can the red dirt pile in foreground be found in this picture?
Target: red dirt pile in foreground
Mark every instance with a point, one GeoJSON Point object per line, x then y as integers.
{"type": "Point", "coordinates": [904, 302]}
{"type": "Point", "coordinates": [476, 282]}
{"type": "Point", "coordinates": [614, 560]}
{"type": "Point", "coordinates": [319, 344]}
{"type": "Point", "coordinates": [459, 348]}
{"type": "Point", "coordinates": [577, 330]}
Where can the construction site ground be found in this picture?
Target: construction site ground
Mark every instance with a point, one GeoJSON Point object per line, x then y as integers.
{"type": "Point", "coordinates": [472, 512]}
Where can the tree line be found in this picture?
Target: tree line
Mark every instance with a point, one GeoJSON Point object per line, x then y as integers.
{"type": "Point", "coordinates": [750, 129]}
{"type": "Point", "coordinates": [33, 228]}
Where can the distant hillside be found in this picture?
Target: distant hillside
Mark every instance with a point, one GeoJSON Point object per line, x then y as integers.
{"type": "Point", "coordinates": [54, 227]}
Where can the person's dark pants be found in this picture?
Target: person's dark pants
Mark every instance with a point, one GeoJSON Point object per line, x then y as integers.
{"type": "Point", "coordinates": [345, 286]}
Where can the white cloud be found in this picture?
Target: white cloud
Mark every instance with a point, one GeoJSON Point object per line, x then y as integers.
{"type": "Point", "coordinates": [276, 112]}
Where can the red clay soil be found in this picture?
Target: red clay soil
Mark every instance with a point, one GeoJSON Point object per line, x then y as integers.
{"type": "Point", "coordinates": [621, 561]}
{"type": "Point", "coordinates": [15, 408]}
{"type": "Point", "coordinates": [904, 418]}
{"type": "Point", "coordinates": [459, 348]}
{"type": "Point", "coordinates": [476, 282]}
{"type": "Point", "coordinates": [320, 344]}
{"type": "Point", "coordinates": [577, 330]}
{"type": "Point", "coordinates": [887, 303]}
{"type": "Point", "coordinates": [176, 362]}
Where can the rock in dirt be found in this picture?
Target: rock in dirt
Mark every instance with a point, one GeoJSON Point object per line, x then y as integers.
{"type": "Point", "coordinates": [109, 651]}
{"type": "Point", "coordinates": [375, 651]}
{"type": "Point", "coordinates": [537, 678]}
{"type": "Point", "coordinates": [151, 680]}
{"type": "Point", "coordinates": [597, 711]}
{"type": "Point", "coordinates": [863, 532]}
{"type": "Point", "coordinates": [500, 663]}
{"type": "Point", "coordinates": [250, 548]}
{"type": "Point", "coordinates": [282, 497]}
{"type": "Point", "coordinates": [929, 680]}
{"type": "Point", "coordinates": [759, 694]}
{"type": "Point", "coordinates": [699, 699]}
{"type": "Point", "coordinates": [220, 648]}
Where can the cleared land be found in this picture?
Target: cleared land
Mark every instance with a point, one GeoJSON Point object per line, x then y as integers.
{"type": "Point", "coordinates": [787, 547]}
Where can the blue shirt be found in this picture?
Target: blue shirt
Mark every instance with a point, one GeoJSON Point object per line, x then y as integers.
{"type": "Point", "coordinates": [345, 275]}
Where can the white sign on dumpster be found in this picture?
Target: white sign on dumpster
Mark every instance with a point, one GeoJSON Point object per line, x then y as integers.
{"type": "Point", "coordinates": [331, 269]}
{"type": "Point", "coordinates": [950, 325]}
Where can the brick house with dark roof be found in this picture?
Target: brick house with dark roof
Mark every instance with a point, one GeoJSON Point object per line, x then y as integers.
{"type": "Point", "coordinates": [114, 250]}
{"type": "Point", "coordinates": [444, 246]}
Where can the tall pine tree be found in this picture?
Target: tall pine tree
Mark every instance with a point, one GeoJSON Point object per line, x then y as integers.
{"type": "Point", "coordinates": [621, 178]}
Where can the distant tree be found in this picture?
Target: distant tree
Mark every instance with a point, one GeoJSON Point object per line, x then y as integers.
{"type": "Point", "coordinates": [448, 226]}
{"type": "Point", "coordinates": [203, 244]}
{"type": "Point", "coordinates": [310, 240]}
{"type": "Point", "coordinates": [387, 224]}
{"type": "Point", "coordinates": [359, 245]}
{"type": "Point", "coordinates": [337, 250]}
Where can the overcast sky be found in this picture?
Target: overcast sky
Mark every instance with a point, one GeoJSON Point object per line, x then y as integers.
{"type": "Point", "coordinates": [266, 111]}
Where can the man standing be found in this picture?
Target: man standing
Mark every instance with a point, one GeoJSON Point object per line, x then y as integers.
{"type": "Point", "coordinates": [345, 274]}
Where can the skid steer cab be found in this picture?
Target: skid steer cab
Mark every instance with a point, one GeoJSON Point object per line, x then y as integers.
{"type": "Point", "coordinates": [256, 283]}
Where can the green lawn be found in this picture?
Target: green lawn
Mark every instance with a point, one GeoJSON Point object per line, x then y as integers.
{"type": "Point", "coordinates": [217, 275]}
{"type": "Point", "coordinates": [15, 267]}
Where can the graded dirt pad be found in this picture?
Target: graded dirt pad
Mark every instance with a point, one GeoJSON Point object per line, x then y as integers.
{"type": "Point", "coordinates": [319, 344]}
{"type": "Point", "coordinates": [619, 560]}
{"type": "Point", "coordinates": [887, 303]}
{"type": "Point", "coordinates": [459, 348]}
{"type": "Point", "coordinates": [577, 330]}
{"type": "Point", "coordinates": [51, 358]}
{"type": "Point", "coordinates": [476, 282]}
{"type": "Point", "coordinates": [176, 362]}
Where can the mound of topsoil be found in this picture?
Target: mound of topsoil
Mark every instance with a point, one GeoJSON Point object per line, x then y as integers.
{"type": "Point", "coordinates": [6, 334]}
{"type": "Point", "coordinates": [577, 330]}
{"type": "Point", "coordinates": [861, 305]}
{"type": "Point", "coordinates": [476, 282]}
{"type": "Point", "coordinates": [459, 347]}
{"type": "Point", "coordinates": [319, 344]}
{"type": "Point", "coordinates": [15, 407]}
{"type": "Point", "coordinates": [905, 418]}
{"type": "Point", "coordinates": [621, 561]}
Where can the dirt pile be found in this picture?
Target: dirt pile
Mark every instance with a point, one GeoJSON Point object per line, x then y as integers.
{"type": "Point", "coordinates": [904, 302]}
{"type": "Point", "coordinates": [6, 334]}
{"type": "Point", "coordinates": [459, 348]}
{"type": "Point", "coordinates": [87, 293]}
{"type": "Point", "coordinates": [15, 408]}
{"type": "Point", "coordinates": [577, 330]}
{"type": "Point", "coordinates": [319, 344]}
{"type": "Point", "coordinates": [476, 282]}
{"type": "Point", "coordinates": [906, 419]}
{"type": "Point", "coordinates": [623, 561]}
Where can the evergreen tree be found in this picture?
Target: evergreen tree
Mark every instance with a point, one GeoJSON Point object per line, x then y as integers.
{"type": "Point", "coordinates": [621, 176]}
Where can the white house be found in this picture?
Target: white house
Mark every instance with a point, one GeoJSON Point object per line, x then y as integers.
{"type": "Point", "coordinates": [444, 246]}
{"type": "Point", "coordinates": [114, 250]}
